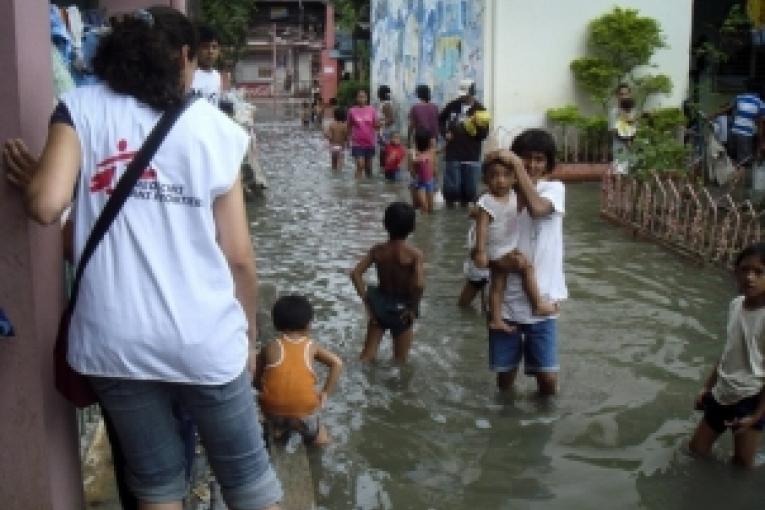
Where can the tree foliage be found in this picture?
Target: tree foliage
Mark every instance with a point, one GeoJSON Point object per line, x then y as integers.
{"type": "Point", "coordinates": [230, 19]}
{"type": "Point", "coordinates": [656, 146]}
{"type": "Point", "coordinates": [625, 39]}
{"type": "Point", "coordinates": [350, 12]}
{"type": "Point", "coordinates": [618, 42]}
{"type": "Point", "coordinates": [595, 76]}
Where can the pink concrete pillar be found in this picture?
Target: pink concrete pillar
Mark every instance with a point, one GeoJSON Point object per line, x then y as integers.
{"type": "Point", "coordinates": [39, 466]}
{"type": "Point", "coordinates": [328, 79]}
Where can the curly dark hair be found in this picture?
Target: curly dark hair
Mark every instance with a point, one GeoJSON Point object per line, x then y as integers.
{"type": "Point", "coordinates": [341, 115]}
{"type": "Point", "coordinates": [757, 249]}
{"type": "Point", "coordinates": [399, 220]}
{"type": "Point", "coordinates": [141, 56]}
{"type": "Point", "coordinates": [535, 140]}
{"type": "Point", "coordinates": [423, 92]}
{"type": "Point", "coordinates": [383, 92]}
{"type": "Point", "coordinates": [292, 312]}
{"type": "Point", "coordinates": [206, 34]}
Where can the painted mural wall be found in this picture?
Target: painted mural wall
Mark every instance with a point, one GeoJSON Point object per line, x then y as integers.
{"type": "Point", "coordinates": [431, 42]}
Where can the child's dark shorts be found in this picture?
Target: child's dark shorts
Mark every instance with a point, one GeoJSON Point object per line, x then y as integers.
{"type": "Point", "coordinates": [308, 426]}
{"type": "Point", "coordinates": [390, 312]}
{"type": "Point", "coordinates": [716, 414]}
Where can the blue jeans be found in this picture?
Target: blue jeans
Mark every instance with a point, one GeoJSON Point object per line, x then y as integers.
{"type": "Point", "coordinates": [461, 181]}
{"type": "Point", "coordinates": [535, 343]}
{"type": "Point", "coordinates": [142, 415]}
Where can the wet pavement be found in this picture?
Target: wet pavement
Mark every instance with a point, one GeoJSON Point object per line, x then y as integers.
{"type": "Point", "coordinates": [639, 333]}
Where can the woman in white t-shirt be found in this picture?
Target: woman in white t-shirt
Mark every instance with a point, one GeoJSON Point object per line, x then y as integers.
{"type": "Point", "coordinates": [166, 308]}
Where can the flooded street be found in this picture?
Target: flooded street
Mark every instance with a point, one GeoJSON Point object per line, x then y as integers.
{"type": "Point", "coordinates": [640, 331]}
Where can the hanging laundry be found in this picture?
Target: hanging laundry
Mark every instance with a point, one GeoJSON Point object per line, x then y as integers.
{"type": "Point", "coordinates": [76, 31]}
{"type": "Point", "coordinates": [59, 34]}
{"type": "Point", "coordinates": [62, 78]}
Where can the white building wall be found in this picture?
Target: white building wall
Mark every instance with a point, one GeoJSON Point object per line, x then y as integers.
{"type": "Point", "coordinates": [530, 44]}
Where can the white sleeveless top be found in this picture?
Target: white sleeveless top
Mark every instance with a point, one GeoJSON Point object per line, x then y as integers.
{"type": "Point", "coordinates": [157, 299]}
{"type": "Point", "coordinates": [741, 372]}
{"type": "Point", "coordinates": [502, 234]}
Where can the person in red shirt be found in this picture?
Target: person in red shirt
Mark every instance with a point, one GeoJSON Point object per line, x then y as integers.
{"type": "Point", "coordinates": [394, 155]}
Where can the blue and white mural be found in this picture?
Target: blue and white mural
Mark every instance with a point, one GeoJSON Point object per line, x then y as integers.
{"type": "Point", "coordinates": [433, 42]}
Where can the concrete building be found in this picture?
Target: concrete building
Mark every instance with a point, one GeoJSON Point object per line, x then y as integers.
{"type": "Point", "coordinates": [288, 47]}
{"type": "Point", "coordinates": [517, 51]}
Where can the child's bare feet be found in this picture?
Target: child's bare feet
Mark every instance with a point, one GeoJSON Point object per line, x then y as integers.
{"type": "Point", "coordinates": [546, 308]}
{"type": "Point", "coordinates": [500, 325]}
{"type": "Point", "coordinates": [279, 433]}
{"type": "Point", "coordinates": [322, 438]}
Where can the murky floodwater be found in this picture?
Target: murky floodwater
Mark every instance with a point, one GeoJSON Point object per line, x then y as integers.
{"type": "Point", "coordinates": [639, 333]}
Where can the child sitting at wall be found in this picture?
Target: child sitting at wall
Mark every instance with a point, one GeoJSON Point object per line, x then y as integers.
{"type": "Point", "coordinates": [285, 377]}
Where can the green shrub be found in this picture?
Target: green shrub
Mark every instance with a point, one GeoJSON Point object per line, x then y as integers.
{"type": "Point", "coordinates": [346, 92]}
{"type": "Point", "coordinates": [657, 145]}
{"type": "Point", "coordinates": [568, 115]}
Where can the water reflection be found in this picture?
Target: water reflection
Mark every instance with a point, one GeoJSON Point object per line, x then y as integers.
{"type": "Point", "coordinates": [641, 330]}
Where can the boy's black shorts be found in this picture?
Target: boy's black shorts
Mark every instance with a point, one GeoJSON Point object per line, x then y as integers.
{"type": "Point", "coordinates": [716, 414]}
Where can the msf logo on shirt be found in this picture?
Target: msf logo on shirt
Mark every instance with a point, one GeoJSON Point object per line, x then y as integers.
{"type": "Point", "coordinates": [106, 171]}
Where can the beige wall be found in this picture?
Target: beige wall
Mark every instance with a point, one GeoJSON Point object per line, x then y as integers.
{"type": "Point", "coordinates": [529, 46]}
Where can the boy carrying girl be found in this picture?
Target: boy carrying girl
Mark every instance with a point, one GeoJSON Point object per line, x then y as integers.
{"type": "Point", "coordinates": [393, 304]}
{"type": "Point", "coordinates": [497, 237]}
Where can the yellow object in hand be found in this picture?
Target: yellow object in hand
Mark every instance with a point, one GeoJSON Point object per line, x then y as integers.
{"type": "Point", "coordinates": [482, 118]}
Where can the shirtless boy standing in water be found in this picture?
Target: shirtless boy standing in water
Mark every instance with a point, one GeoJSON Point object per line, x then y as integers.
{"type": "Point", "coordinates": [394, 303]}
{"type": "Point", "coordinates": [337, 135]}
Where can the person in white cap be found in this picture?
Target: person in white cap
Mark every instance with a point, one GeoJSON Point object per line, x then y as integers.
{"type": "Point", "coordinates": [464, 130]}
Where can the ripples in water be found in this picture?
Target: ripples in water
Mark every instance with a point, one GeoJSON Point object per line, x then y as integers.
{"type": "Point", "coordinates": [640, 331]}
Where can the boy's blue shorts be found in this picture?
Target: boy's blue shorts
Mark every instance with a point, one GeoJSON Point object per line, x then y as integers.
{"type": "Point", "coordinates": [716, 414]}
{"type": "Point", "coordinates": [427, 186]}
{"type": "Point", "coordinates": [535, 343]}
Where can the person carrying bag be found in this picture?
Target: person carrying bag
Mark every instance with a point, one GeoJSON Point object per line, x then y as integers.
{"type": "Point", "coordinates": [166, 302]}
{"type": "Point", "coordinates": [71, 384]}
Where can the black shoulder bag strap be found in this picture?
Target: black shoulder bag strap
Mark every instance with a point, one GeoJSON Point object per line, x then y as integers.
{"type": "Point", "coordinates": [124, 187]}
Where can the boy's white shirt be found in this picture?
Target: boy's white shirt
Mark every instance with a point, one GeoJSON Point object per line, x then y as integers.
{"type": "Point", "coordinates": [741, 372]}
{"type": "Point", "coordinates": [207, 84]}
{"type": "Point", "coordinates": [541, 241]}
{"type": "Point", "coordinates": [157, 298]}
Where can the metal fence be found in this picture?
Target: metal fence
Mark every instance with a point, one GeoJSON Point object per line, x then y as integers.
{"type": "Point", "coordinates": [689, 219]}
{"type": "Point", "coordinates": [579, 145]}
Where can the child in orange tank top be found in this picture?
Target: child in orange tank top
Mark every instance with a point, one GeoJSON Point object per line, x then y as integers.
{"type": "Point", "coordinates": [284, 372]}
